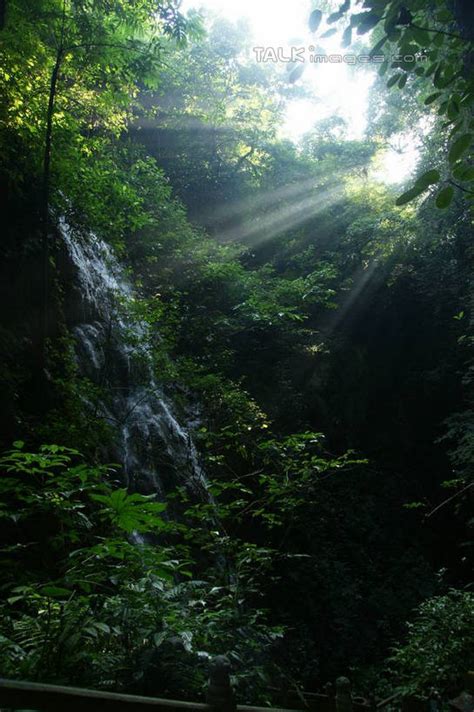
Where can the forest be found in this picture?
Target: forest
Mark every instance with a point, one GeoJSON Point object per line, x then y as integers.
{"type": "Point", "coordinates": [236, 363]}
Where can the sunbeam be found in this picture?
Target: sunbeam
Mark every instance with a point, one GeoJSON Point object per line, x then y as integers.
{"type": "Point", "coordinates": [256, 231]}
{"type": "Point", "coordinates": [262, 200]}
{"type": "Point", "coordinates": [360, 282]}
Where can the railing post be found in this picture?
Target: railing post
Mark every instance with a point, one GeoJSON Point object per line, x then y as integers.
{"type": "Point", "coordinates": [329, 689]}
{"type": "Point", "coordinates": [372, 700]}
{"type": "Point", "coordinates": [343, 695]}
{"type": "Point", "coordinates": [434, 700]}
{"type": "Point", "coordinates": [219, 694]}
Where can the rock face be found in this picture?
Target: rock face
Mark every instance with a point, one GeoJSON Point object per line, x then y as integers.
{"type": "Point", "coordinates": [155, 450]}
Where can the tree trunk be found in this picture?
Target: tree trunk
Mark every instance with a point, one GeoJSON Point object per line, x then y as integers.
{"type": "Point", "coordinates": [46, 189]}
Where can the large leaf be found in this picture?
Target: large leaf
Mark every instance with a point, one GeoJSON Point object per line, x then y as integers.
{"type": "Point", "coordinates": [329, 33]}
{"type": "Point", "coordinates": [427, 179]}
{"type": "Point", "coordinates": [408, 196]}
{"type": "Point", "coordinates": [378, 46]}
{"type": "Point", "coordinates": [421, 184]}
{"type": "Point", "coordinates": [421, 37]}
{"type": "Point", "coordinates": [347, 36]}
{"type": "Point", "coordinates": [432, 97]}
{"type": "Point", "coordinates": [463, 172]}
{"type": "Point", "coordinates": [367, 22]}
{"type": "Point", "coordinates": [315, 20]}
{"type": "Point", "coordinates": [459, 146]}
{"type": "Point", "coordinates": [402, 81]}
{"type": "Point", "coordinates": [444, 197]}
{"type": "Point", "coordinates": [334, 17]}
{"type": "Point", "coordinates": [393, 80]}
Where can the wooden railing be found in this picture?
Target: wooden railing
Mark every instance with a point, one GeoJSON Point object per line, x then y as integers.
{"type": "Point", "coordinates": [219, 697]}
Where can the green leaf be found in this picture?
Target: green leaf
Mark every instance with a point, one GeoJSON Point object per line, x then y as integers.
{"type": "Point", "coordinates": [431, 69]}
{"type": "Point", "coordinates": [444, 197]}
{"type": "Point", "coordinates": [452, 111]}
{"type": "Point", "coordinates": [408, 196]}
{"type": "Point", "coordinates": [159, 638]}
{"type": "Point", "coordinates": [437, 78]}
{"type": "Point", "coordinates": [393, 34]}
{"type": "Point", "coordinates": [427, 179]}
{"type": "Point", "coordinates": [315, 20]}
{"type": "Point", "coordinates": [402, 81]}
{"type": "Point", "coordinates": [15, 599]}
{"type": "Point", "coordinates": [391, 19]}
{"type": "Point", "coordinates": [367, 22]}
{"type": "Point", "coordinates": [378, 46]}
{"type": "Point", "coordinates": [421, 184]}
{"type": "Point", "coordinates": [334, 17]}
{"type": "Point", "coordinates": [463, 172]}
{"type": "Point", "coordinates": [393, 80]}
{"type": "Point", "coordinates": [404, 17]}
{"type": "Point", "coordinates": [347, 36]}
{"type": "Point", "coordinates": [441, 80]}
{"type": "Point", "coordinates": [420, 36]}
{"type": "Point", "coordinates": [442, 108]}
{"type": "Point", "coordinates": [432, 97]}
{"type": "Point", "coordinates": [329, 33]}
{"type": "Point", "coordinates": [102, 626]}
{"type": "Point", "coordinates": [444, 16]}
{"type": "Point", "coordinates": [459, 146]}
{"type": "Point", "coordinates": [91, 630]}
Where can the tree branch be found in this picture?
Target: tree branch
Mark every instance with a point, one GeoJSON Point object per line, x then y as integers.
{"type": "Point", "coordinates": [465, 190]}
{"type": "Point", "coordinates": [439, 32]}
{"type": "Point", "coordinates": [450, 499]}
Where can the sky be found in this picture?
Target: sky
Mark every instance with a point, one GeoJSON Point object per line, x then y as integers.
{"type": "Point", "coordinates": [335, 88]}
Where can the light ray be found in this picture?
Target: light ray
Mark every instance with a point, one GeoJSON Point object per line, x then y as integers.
{"type": "Point", "coordinates": [264, 199]}
{"type": "Point", "coordinates": [279, 221]}
{"type": "Point", "coordinates": [361, 282]}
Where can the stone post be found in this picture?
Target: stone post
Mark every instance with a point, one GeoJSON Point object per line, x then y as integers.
{"type": "Point", "coordinates": [343, 695]}
{"type": "Point", "coordinates": [219, 694]}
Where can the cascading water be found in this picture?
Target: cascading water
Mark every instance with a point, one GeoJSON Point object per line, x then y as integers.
{"type": "Point", "coordinates": [155, 450]}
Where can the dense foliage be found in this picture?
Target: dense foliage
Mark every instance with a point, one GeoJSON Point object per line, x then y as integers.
{"type": "Point", "coordinates": [281, 292]}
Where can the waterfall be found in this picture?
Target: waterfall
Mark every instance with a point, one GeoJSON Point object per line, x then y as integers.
{"type": "Point", "coordinates": [155, 450]}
